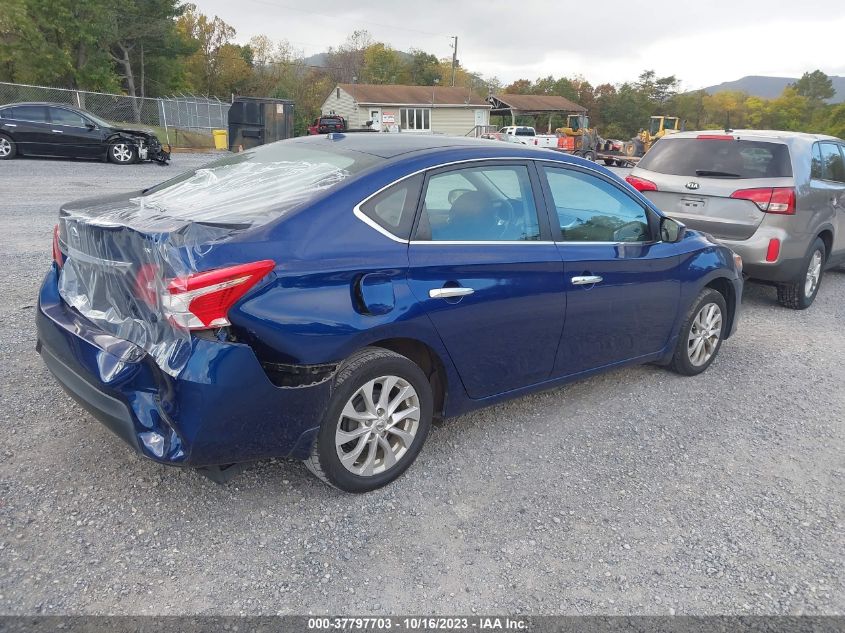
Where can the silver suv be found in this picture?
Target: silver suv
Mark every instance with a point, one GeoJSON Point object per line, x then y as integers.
{"type": "Point", "coordinates": [775, 198]}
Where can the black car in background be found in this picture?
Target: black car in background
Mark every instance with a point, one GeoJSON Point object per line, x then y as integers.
{"type": "Point", "coordinates": [51, 129]}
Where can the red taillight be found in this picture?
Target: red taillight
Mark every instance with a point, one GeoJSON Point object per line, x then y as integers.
{"type": "Point", "coordinates": [641, 184]}
{"type": "Point", "coordinates": [57, 250]}
{"type": "Point", "coordinates": [201, 301]}
{"type": "Point", "coordinates": [773, 250]}
{"type": "Point", "coordinates": [770, 199]}
{"type": "Point", "coordinates": [715, 137]}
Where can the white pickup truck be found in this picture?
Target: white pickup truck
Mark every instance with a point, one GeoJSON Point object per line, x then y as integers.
{"type": "Point", "coordinates": [527, 136]}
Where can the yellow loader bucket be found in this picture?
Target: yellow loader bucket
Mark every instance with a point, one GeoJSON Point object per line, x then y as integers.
{"type": "Point", "coordinates": [221, 139]}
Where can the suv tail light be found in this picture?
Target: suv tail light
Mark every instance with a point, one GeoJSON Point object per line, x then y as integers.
{"type": "Point", "coordinates": [57, 250]}
{"type": "Point", "coordinates": [770, 199]}
{"type": "Point", "coordinates": [641, 184]}
{"type": "Point", "coordinates": [201, 301]}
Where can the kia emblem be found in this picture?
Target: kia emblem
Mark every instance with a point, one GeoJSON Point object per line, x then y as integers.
{"type": "Point", "coordinates": [692, 185]}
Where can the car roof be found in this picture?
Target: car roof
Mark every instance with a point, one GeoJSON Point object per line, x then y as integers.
{"type": "Point", "coordinates": [39, 103]}
{"type": "Point", "coordinates": [392, 145]}
{"type": "Point", "coordinates": [771, 135]}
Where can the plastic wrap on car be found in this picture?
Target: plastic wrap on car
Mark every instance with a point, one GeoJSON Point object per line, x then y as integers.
{"type": "Point", "coordinates": [122, 254]}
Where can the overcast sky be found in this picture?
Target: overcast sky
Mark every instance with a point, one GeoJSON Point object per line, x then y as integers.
{"type": "Point", "coordinates": [703, 43]}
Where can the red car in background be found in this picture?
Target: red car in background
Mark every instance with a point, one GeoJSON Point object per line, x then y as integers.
{"type": "Point", "coordinates": [326, 124]}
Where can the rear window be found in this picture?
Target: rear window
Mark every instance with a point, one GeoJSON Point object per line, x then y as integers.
{"type": "Point", "coordinates": [716, 158]}
{"type": "Point", "coordinates": [255, 186]}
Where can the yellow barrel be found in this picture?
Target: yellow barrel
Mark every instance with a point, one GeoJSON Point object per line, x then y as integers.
{"type": "Point", "coordinates": [221, 140]}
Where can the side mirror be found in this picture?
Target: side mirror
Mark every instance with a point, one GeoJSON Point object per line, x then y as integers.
{"type": "Point", "coordinates": [90, 126]}
{"type": "Point", "coordinates": [671, 231]}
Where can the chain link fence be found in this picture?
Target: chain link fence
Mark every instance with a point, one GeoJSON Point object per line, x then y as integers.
{"type": "Point", "coordinates": [184, 120]}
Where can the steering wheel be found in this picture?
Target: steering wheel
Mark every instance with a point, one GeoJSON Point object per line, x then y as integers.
{"type": "Point", "coordinates": [505, 216]}
{"type": "Point", "coordinates": [628, 230]}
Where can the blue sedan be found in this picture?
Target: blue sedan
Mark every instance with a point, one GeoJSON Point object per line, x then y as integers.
{"type": "Point", "coordinates": [325, 298]}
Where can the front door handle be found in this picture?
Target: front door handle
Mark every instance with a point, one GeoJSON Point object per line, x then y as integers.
{"type": "Point", "coordinates": [57, 131]}
{"type": "Point", "coordinates": [448, 293]}
{"type": "Point", "coordinates": [586, 280]}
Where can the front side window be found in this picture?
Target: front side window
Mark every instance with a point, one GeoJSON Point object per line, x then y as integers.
{"type": "Point", "coordinates": [480, 204]}
{"type": "Point", "coordinates": [590, 209]}
{"type": "Point", "coordinates": [418, 119]}
{"type": "Point", "coordinates": [60, 116]}
{"type": "Point", "coordinates": [832, 164]}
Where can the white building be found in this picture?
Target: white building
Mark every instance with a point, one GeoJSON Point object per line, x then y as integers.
{"type": "Point", "coordinates": [415, 109]}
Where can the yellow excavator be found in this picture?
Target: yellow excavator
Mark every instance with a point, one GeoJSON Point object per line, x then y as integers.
{"type": "Point", "coordinates": [658, 127]}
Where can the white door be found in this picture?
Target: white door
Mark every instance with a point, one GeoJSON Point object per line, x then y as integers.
{"type": "Point", "coordinates": [375, 117]}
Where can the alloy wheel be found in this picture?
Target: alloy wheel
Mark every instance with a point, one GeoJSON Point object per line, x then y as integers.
{"type": "Point", "coordinates": [704, 334]}
{"type": "Point", "coordinates": [121, 152]}
{"type": "Point", "coordinates": [378, 425]}
{"type": "Point", "coordinates": [5, 147]}
{"type": "Point", "coordinates": [814, 272]}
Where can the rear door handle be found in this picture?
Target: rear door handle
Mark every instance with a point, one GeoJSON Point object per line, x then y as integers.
{"type": "Point", "coordinates": [57, 131]}
{"type": "Point", "coordinates": [9, 125]}
{"type": "Point", "coordinates": [586, 280]}
{"type": "Point", "coordinates": [447, 293]}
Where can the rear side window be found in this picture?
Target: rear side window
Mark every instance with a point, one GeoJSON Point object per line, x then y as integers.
{"type": "Point", "coordinates": [393, 209]}
{"type": "Point", "coordinates": [37, 114]}
{"type": "Point", "coordinates": [816, 162]}
{"type": "Point", "coordinates": [479, 204]}
{"type": "Point", "coordinates": [832, 165]}
{"type": "Point", "coordinates": [716, 158]}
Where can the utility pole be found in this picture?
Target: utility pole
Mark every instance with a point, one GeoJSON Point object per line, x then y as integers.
{"type": "Point", "coordinates": [454, 58]}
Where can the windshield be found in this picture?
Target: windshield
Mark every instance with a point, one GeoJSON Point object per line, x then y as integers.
{"type": "Point", "coordinates": [98, 121]}
{"type": "Point", "coordinates": [655, 126]}
{"type": "Point", "coordinates": [717, 158]}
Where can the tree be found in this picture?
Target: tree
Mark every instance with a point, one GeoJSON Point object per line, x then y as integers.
{"type": "Point", "coordinates": [815, 86]}
{"type": "Point", "coordinates": [143, 32]}
{"type": "Point", "coordinates": [383, 65]}
{"type": "Point", "coordinates": [423, 68]}
{"type": "Point", "coordinates": [218, 66]}
{"type": "Point", "coordinates": [62, 43]}
{"type": "Point", "coordinates": [346, 62]}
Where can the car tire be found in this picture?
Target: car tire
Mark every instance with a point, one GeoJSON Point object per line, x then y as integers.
{"type": "Point", "coordinates": [701, 334]}
{"type": "Point", "coordinates": [122, 153]}
{"type": "Point", "coordinates": [379, 450]}
{"type": "Point", "coordinates": [8, 148]}
{"type": "Point", "coordinates": [800, 293]}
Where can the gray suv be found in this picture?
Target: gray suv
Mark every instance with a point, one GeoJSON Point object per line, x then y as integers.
{"type": "Point", "coordinates": [775, 198]}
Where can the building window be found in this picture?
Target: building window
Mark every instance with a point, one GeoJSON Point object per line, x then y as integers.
{"type": "Point", "coordinates": [418, 119]}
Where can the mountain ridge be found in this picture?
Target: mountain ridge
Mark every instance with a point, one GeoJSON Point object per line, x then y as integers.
{"type": "Point", "coordinates": [771, 87]}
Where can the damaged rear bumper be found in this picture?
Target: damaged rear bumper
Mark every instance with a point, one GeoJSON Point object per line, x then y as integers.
{"type": "Point", "coordinates": [221, 409]}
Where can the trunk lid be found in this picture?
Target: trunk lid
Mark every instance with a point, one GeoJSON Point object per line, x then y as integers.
{"type": "Point", "coordinates": [708, 207]}
{"type": "Point", "coordinates": [123, 252]}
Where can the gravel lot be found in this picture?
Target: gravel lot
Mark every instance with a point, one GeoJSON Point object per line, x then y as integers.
{"type": "Point", "coordinates": [637, 492]}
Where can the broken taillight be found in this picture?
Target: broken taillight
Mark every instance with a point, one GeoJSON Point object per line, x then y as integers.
{"type": "Point", "coordinates": [201, 301]}
{"type": "Point", "coordinates": [57, 250]}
